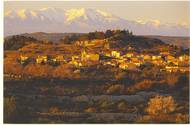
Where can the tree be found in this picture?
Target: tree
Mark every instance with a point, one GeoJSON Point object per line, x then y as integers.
{"type": "Point", "coordinates": [18, 41]}
{"type": "Point", "coordinates": [83, 37]}
{"type": "Point", "coordinates": [99, 35]}
{"type": "Point", "coordinates": [108, 33]}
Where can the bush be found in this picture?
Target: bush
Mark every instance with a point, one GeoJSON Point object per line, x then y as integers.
{"type": "Point", "coordinates": [90, 110]}
{"type": "Point", "coordinates": [122, 106]}
{"type": "Point", "coordinates": [160, 105]}
{"type": "Point", "coordinates": [115, 89]}
{"type": "Point", "coordinates": [54, 110]}
{"type": "Point", "coordinates": [172, 79]}
{"type": "Point", "coordinates": [143, 85]}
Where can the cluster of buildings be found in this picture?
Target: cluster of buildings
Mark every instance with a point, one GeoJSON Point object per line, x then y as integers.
{"type": "Point", "coordinates": [127, 61]}
{"type": "Point", "coordinates": [123, 60]}
{"type": "Point", "coordinates": [133, 60]}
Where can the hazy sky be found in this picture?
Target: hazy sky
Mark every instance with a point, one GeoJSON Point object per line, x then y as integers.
{"type": "Point", "coordinates": [166, 12]}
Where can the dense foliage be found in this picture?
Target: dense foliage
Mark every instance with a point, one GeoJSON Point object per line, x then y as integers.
{"type": "Point", "coordinates": [18, 41]}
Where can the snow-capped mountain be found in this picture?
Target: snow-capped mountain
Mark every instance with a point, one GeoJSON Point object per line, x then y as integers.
{"type": "Point", "coordinates": [81, 20]}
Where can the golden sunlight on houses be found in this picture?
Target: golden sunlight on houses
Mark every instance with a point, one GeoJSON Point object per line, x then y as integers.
{"type": "Point", "coordinates": [23, 59]}
{"type": "Point", "coordinates": [128, 66]}
{"type": "Point", "coordinates": [89, 57]}
{"type": "Point", "coordinates": [156, 57]}
{"type": "Point", "coordinates": [184, 58]}
{"type": "Point", "coordinates": [76, 63]}
{"type": "Point", "coordinates": [41, 59]}
{"type": "Point", "coordinates": [115, 54]}
{"type": "Point", "coordinates": [130, 54]}
{"type": "Point", "coordinates": [59, 58]}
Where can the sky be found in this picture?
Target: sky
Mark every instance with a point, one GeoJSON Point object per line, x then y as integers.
{"type": "Point", "coordinates": [177, 12]}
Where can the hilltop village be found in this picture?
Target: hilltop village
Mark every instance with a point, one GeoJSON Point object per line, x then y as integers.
{"type": "Point", "coordinates": [88, 55]}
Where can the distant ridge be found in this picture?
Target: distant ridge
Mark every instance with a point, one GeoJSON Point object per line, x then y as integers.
{"type": "Point", "coordinates": [82, 20]}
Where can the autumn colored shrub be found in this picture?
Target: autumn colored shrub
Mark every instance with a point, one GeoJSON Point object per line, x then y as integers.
{"type": "Point", "coordinates": [122, 106]}
{"type": "Point", "coordinates": [172, 79]}
{"type": "Point", "coordinates": [90, 110]}
{"type": "Point", "coordinates": [106, 106]}
{"type": "Point", "coordinates": [54, 109]}
{"type": "Point", "coordinates": [161, 105]}
{"type": "Point", "coordinates": [117, 88]}
{"type": "Point", "coordinates": [164, 118]}
{"type": "Point", "coordinates": [143, 85]}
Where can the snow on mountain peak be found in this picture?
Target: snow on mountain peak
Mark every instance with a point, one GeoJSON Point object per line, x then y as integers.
{"type": "Point", "coordinates": [72, 14]}
{"type": "Point", "coordinates": [82, 20]}
{"type": "Point", "coordinates": [21, 14]}
{"type": "Point", "coordinates": [103, 13]}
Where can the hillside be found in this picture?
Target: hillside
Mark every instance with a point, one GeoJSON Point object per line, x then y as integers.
{"type": "Point", "coordinates": [53, 37]}
{"type": "Point", "coordinates": [178, 41]}
{"type": "Point", "coordinates": [18, 41]}
{"type": "Point", "coordinates": [118, 39]}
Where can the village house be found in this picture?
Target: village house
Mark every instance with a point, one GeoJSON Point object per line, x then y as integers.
{"type": "Point", "coordinates": [171, 68]}
{"type": "Point", "coordinates": [109, 63]}
{"type": "Point", "coordinates": [76, 63]}
{"type": "Point", "coordinates": [73, 58]}
{"type": "Point", "coordinates": [154, 57]}
{"type": "Point", "coordinates": [171, 59]}
{"type": "Point", "coordinates": [128, 66]}
{"type": "Point", "coordinates": [158, 62]}
{"type": "Point", "coordinates": [146, 57]}
{"type": "Point", "coordinates": [184, 58]}
{"type": "Point", "coordinates": [184, 69]}
{"type": "Point", "coordinates": [164, 53]}
{"type": "Point", "coordinates": [41, 59]}
{"type": "Point", "coordinates": [89, 57]}
{"type": "Point", "coordinates": [115, 54]}
{"type": "Point", "coordinates": [131, 54]}
{"type": "Point", "coordinates": [123, 66]}
{"type": "Point", "coordinates": [59, 59]}
{"type": "Point", "coordinates": [23, 59]}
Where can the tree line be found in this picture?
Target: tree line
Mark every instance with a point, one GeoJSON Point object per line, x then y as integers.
{"type": "Point", "coordinates": [116, 34]}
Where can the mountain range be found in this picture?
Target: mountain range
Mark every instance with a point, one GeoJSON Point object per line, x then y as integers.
{"type": "Point", "coordinates": [81, 20]}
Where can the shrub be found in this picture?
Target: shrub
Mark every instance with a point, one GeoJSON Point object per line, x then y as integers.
{"type": "Point", "coordinates": [161, 105]}
{"type": "Point", "coordinates": [54, 110]}
{"type": "Point", "coordinates": [90, 110]}
{"type": "Point", "coordinates": [122, 106]}
{"type": "Point", "coordinates": [172, 79]}
{"type": "Point", "coordinates": [143, 85]}
{"type": "Point", "coordinates": [115, 89]}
